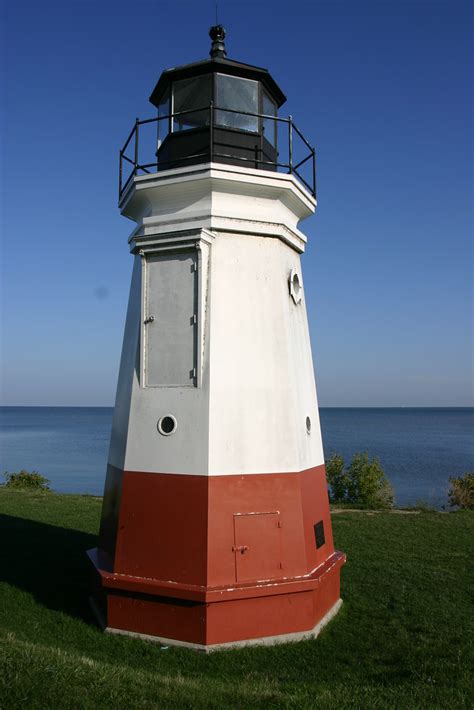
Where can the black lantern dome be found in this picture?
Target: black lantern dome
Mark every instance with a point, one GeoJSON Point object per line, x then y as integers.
{"type": "Point", "coordinates": [217, 110]}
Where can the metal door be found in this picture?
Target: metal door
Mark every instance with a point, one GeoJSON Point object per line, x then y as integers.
{"type": "Point", "coordinates": [257, 546]}
{"type": "Point", "coordinates": [170, 318]}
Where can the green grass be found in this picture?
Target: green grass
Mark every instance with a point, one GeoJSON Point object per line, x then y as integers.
{"type": "Point", "coordinates": [403, 638]}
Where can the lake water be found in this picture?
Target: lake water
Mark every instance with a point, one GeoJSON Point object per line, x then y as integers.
{"type": "Point", "coordinates": [418, 448]}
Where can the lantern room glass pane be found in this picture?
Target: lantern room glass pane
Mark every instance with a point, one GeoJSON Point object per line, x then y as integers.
{"type": "Point", "coordinates": [163, 123]}
{"type": "Point", "coordinates": [187, 95]}
{"type": "Point", "coordinates": [239, 95]}
{"type": "Point", "coordinates": [269, 108]}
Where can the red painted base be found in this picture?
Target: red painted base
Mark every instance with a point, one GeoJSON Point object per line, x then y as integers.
{"type": "Point", "coordinates": [215, 560]}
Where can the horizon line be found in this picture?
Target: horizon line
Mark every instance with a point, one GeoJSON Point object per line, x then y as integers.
{"type": "Point", "coordinates": [321, 406]}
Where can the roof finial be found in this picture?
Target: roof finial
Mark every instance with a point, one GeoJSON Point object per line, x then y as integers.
{"type": "Point", "coordinates": [217, 34]}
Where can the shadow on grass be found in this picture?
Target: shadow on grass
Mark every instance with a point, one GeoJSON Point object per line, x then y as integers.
{"type": "Point", "coordinates": [49, 562]}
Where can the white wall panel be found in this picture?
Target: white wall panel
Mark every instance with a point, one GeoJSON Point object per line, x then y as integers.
{"type": "Point", "coordinates": [254, 386]}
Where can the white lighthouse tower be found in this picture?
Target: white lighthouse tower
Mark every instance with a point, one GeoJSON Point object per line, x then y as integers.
{"type": "Point", "coordinates": [215, 526]}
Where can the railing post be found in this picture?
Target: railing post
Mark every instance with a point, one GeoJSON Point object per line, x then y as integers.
{"type": "Point", "coordinates": [314, 173]}
{"type": "Point", "coordinates": [136, 147]}
{"type": "Point", "coordinates": [211, 131]}
{"type": "Point", "coordinates": [276, 137]}
{"type": "Point", "coordinates": [290, 144]}
{"type": "Point", "coordinates": [157, 136]}
{"type": "Point", "coordinates": [120, 174]}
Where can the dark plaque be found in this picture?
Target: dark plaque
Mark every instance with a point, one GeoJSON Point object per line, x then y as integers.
{"type": "Point", "coordinates": [319, 534]}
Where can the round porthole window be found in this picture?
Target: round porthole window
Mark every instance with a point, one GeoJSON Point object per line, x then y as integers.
{"type": "Point", "coordinates": [167, 425]}
{"type": "Point", "coordinates": [296, 289]}
{"type": "Point", "coordinates": [308, 425]}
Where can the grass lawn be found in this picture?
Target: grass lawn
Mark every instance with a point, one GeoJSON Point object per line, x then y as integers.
{"type": "Point", "coordinates": [403, 638]}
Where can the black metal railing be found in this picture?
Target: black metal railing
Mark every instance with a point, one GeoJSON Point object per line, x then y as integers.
{"type": "Point", "coordinates": [291, 154]}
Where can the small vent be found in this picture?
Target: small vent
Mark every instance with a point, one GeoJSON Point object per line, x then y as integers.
{"type": "Point", "coordinates": [319, 534]}
{"type": "Point", "coordinates": [167, 425]}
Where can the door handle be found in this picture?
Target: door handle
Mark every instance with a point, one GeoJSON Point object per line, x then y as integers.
{"type": "Point", "coordinates": [240, 548]}
{"type": "Point", "coordinates": [150, 319]}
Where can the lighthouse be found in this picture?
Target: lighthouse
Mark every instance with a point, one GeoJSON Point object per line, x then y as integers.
{"type": "Point", "coordinates": [215, 528]}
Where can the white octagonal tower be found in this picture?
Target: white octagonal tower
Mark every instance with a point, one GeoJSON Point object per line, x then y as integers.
{"type": "Point", "coordinates": [215, 526]}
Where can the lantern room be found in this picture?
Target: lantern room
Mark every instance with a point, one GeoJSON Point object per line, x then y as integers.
{"type": "Point", "coordinates": [217, 110]}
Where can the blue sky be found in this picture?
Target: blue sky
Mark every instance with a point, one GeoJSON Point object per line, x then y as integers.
{"type": "Point", "coordinates": [383, 90]}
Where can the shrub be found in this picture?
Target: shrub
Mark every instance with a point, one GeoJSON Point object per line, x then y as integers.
{"type": "Point", "coordinates": [25, 479]}
{"type": "Point", "coordinates": [362, 483]}
{"type": "Point", "coordinates": [461, 491]}
{"type": "Point", "coordinates": [337, 478]}
{"type": "Point", "coordinates": [421, 505]}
